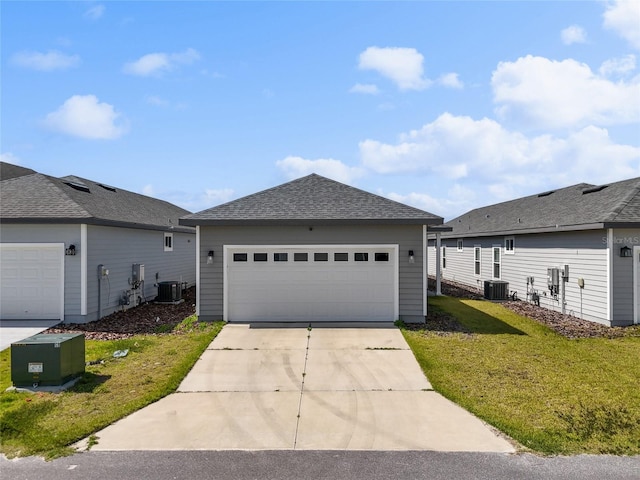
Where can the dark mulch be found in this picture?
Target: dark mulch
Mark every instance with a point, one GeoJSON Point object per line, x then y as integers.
{"type": "Point", "coordinates": [566, 325]}
{"type": "Point", "coordinates": [148, 318]}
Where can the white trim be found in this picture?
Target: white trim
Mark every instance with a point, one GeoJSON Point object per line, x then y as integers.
{"type": "Point", "coordinates": [424, 271]}
{"type": "Point", "coordinates": [493, 262]}
{"type": "Point", "coordinates": [225, 276]}
{"type": "Point", "coordinates": [513, 249]}
{"type": "Point", "coordinates": [83, 268]}
{"type": "Point", "coordinates": [610, 250]}
{"type": "Point", "coordinates": [438, 260]}
{"type": "Point", "coordinates": [167, 248]}
{"type": "Point", "coordinates": [198, 270]}
{"type": "Point", "coordinates": [636, 279]}
{"type": "Point", "coordinates": [479, 249]}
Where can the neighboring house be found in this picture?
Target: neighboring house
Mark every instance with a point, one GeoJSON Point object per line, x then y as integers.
{"type": "Point", "coordinates": [575, 250]}
{"type": "Point", "coordinates": [68, 247]}
{"type": "Point", "coordinates": [312, 250]}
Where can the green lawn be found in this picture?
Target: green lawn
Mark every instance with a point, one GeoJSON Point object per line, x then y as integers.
{"type": "Point", "coordinates": [551, 394]}
{"type": "Point", "coordinates": [46, 424]}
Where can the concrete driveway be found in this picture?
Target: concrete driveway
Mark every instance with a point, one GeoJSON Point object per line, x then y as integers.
{"type": "Point", "coordinates": [12, 331]}
{"type": "Point", "coordinates": [268, 388]}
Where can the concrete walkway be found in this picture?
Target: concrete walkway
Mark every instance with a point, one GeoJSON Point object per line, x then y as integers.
{"type": "Point", "coordinates": [258, 388]}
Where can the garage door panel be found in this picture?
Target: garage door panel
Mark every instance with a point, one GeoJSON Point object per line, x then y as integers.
{"type": "Point", "coordinates": [309, 290]}
{"type": "Point", "coordinates": [32, 281]}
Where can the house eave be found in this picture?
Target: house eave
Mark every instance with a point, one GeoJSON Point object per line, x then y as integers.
{"type": "Point", "coordinates": [309, 222]}
{"type": "Point", "coordinates": [95, 221]}
{"type": "Point", "coordinates": [525, 231]}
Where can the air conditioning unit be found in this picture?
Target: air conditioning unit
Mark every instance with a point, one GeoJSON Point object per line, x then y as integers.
{"type": "Point", "coordinates": [496, 290]}
{"type": "Point", "coordinates": [169, 292]}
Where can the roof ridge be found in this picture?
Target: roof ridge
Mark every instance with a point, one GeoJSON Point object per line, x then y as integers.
{"type": "Point", "coordinates": [66, 196]}
{"type": "Point", "coordinates": [617, 210]}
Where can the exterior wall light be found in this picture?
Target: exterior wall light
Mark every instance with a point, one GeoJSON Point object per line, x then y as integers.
{"type": "Point", "coordinates": [71, 250]}
{"type": "Point", "coordinates": [411, 257]}
{"type": "Point", "coordinates": [625, 252]}
{"type": "Point", "coordinates": [210, 257]}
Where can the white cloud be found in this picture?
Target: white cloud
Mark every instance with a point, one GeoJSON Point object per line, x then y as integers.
{"type": "Point", "coordinates": [618, 66]}
{"type": "Point", "coordinates": [156, 101]}
{"type": "Point", "coordinates": [459, 199]}
{"type": "Point", "coordinates": [95, 12]}
{"type": "Point", "coordinates": [450, 80]}
{"type": "Point", "coordinates": [368, 89]}
{"type": "Point", "coordinates": [573, 34]}
{"type": "Point", "coordinates": [462, 148]}
{"type": "Point", "coordinates": [194, 202]}
{"type": "Point", "coordinates": [9, 157]}
{"type": "Point", "coordinates": [158, 63]}
{"type": "Point", "coordinates": [46, 62]}
{"type": "Point", "coordinates": [401, 65]}
{"type": "Point", "coordinates": [623, 17]}
{"type": "Point", "coordinates": [84, 116]}
{"type": "Point", "coordinates": [295, 167]}
{"type": "Point", "coordinates": [538, 92]}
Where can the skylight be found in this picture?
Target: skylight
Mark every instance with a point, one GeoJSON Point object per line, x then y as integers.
{"type": "Point", "coordinates": [546, 194]}
{"type": "Point", "coordinates": [79, 186]}
{"type": "Point", "coordinates": [594, 189]}
{"type": "Point", "coordinates": [108, 187]}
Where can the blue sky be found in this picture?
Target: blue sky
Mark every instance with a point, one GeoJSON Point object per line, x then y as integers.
{"type": "Point", "coordinates": [446, 106]}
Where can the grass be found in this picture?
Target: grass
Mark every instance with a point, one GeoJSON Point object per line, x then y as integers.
{"type": "Point", "coordinates": [551, 394]}
{"type": "Point", "coordinates": [46, 424]}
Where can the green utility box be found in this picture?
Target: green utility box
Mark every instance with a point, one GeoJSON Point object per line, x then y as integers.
{"type": "Point", "coordinates": [47, 359]}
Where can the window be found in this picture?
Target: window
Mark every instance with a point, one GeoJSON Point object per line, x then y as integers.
{"type": "Point", "coordinates": [460, 245]}
{"type": "Point", "coordinates": [477, 260]}
{"type": "Point", "coordinates": [301, 257]}
{"type": "Point", "coordinates": [444, 257]}
{"type": "Point", "coordinates": [168, 242]}
{"type": "Point", "coordinates": [239, 257]}
{"type": "Point", "coordinates": [340, 257]}
{"type": "Point", "coordinates": [280, 257]}
{"type": "Point", "coordinates": [320, 257]}
{"type": "Point", "coordinates": [381, 257]}
{"type": "Point", "coordinates": [510, 245]}
{"type": "Point", "coordinates": [361, 257]}
{"type": "Point", "coordinates": [496, 262]}
{"type": "Point", "coordinates": [260, 257]}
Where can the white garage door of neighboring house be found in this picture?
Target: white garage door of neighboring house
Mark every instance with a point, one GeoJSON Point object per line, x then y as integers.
{"type": "Point", "coordinates": [32, 281]}
{"type": "Point", "coordinates": [357, 283]}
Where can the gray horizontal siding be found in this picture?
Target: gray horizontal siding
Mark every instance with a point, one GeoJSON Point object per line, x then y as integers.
{"type": "Point", "coordinates": [623, 295]}
{"type": "Point", "coordinates": [585, 252]}
{"type": "Point", "coordinates": [119, 248]}
{"type": "Point", "coordinates": [211, 297]}
{"type": "Point", "coordinates": [67, 234]}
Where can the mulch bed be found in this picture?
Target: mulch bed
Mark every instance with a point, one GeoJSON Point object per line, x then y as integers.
{"type": "Point", "coordinates": [148, 318]}
{"type": "Point", "coordinates": [566, 325]}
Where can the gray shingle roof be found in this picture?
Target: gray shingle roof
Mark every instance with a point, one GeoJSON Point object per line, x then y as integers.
{"type": "Point", "coordinates": [38, 198]}
{"type": "Point", "coordinates": [8, 170]}
{"type": "Point", "coordinates": [579, 207]}
{"type": "Point", "coordinates": [311, 198]}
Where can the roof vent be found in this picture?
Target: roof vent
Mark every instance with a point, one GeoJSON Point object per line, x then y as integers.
{"type": "Point", "coordinates": [79, 186]}
{"type": "Point", "coordinates": [108, 187]}
{"type": "Point", "coordinates": [594, 189]}
{"type": "Point", "coordinates": [546, 194]}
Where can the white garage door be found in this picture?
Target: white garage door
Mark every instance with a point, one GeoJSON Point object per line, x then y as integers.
{"type": "Point", "coordinates": [32, 281]}
{"type": "Point", "coordinates": [311, 283]}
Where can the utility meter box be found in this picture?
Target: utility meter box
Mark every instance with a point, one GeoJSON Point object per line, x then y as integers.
{"type": "Point", "coordinates": [137, 273]}
{"type": "Point", "coordinates": [47, 359]}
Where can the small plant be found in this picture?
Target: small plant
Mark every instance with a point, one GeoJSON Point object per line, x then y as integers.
{"type": "Point", "coordinates": [400, 324]}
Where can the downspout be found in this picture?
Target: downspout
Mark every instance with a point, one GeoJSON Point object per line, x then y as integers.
{"type": "Point", "coordinates": [438, 253]}
{"type": "Point", "coordinates": [425, 272]}
{"type": "Point", "coordinates": [100, 291]}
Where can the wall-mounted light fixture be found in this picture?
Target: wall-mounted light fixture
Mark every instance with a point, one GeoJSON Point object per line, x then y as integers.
{"type": "Point", "coordinates": [210, 257]}
{"type": "Point", "coordinates": [71, 250]}
{"type": "Point", "coordinates": [411, 257]}
{"type": "Point", "coordinates": [625, 252]}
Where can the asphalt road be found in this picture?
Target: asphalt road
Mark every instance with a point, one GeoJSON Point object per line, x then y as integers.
{"type": "Point", "coordinates": [334, 465]}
